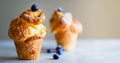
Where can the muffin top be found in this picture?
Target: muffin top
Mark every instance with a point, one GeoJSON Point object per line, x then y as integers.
{"type": "Point", "coordinates": [61, 22]}
{"type": "Point", "coordinates": [29, 24]}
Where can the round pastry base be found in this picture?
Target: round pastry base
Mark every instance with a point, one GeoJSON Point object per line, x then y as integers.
{"type": "Point", "coordinates": [29, 50]}
{"type": "Point", "coordinates": [67, 40]}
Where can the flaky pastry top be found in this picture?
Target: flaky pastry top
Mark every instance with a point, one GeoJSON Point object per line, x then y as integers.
{"type": "Point", "coordinates": [28, 25]}
{"type": "Point", "coordinates": [61, 22]}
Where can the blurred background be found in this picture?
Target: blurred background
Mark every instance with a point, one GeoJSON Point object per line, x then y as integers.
{"type": "Point", "coordinates": [100, 18]}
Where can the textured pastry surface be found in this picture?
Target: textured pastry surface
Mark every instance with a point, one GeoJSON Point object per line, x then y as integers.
{"type": "Point", "coordinates": [29, 50]}
{"type": "Point", "coordinates": [63, 21]}
{"type": "Point", "coordinates": [65, 29]}
{"type": "Point", "coordinates": [28, 26]}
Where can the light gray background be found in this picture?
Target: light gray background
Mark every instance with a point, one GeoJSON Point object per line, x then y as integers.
{"type": "Point", "coordinates": [100, 18]}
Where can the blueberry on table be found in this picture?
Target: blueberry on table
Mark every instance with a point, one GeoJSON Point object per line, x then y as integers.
{"type": "Point", "coordinates": [59, 52]}
{"type": "Point", "coordinates": [56, 56]}
{"type": "Point", "coordinates": [34, 7]}
{"type": "Point", "coordinates": [59, 48]}
{"type": "Point", "coordinates": [60, 9]}
{"type": "Point", "coordinates": [49, 50]}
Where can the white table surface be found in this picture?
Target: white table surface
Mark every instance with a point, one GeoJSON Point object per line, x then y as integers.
{"type": "Point", "coordinates": [87, 51]}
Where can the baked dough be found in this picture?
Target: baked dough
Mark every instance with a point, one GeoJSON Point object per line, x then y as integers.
{"type": "Point", "coordinates": [28, 26]}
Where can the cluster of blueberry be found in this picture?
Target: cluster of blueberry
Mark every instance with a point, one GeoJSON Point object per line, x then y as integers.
{"type": "Point", "coordinates": [59, 50]}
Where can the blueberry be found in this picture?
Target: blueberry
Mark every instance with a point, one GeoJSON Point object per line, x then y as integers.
{"type": "Point", "coordinates": [49, 51]}
{"type": "Point", "coordinates": [56, 56]}
{"type": "Point", "coordinates": [60, 9]}
{"type": "Point", "coordinates": [34, 7]}
{"type": "Point", "coordinates": [59, 52]}
{"type": "Point", "coordinates": [59, 48]}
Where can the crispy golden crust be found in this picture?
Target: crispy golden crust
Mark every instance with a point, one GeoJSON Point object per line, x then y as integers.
{"type": "Point", "coordinates": [29, 50]}
{"type": "Point", "coordinates": [65, 29]}
{"type": "Point", "coordinates": [58, 25]}
{"type": "Point", "coordinates": [28, 25]}
{"type": "Point", "coordinates": [33, 17]}
{"type": "Point", "coordinates": [55, 19]}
